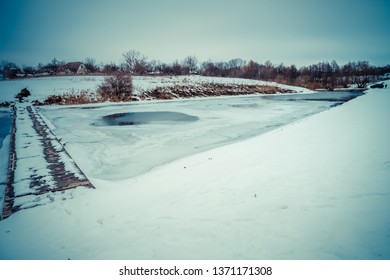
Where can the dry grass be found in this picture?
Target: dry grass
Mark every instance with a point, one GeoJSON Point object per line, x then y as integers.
{"type": "Point", "coordinates": [70, 98]}
{"type": "Point", "coordinates": [161, 93]}
{"type": "Point", "coordinates": [209, 89]}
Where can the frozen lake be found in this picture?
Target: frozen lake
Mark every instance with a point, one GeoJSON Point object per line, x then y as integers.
{"type": "Point", "coordinates": [119, 141]}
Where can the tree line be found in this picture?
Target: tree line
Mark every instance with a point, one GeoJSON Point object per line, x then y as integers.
{"type": "Point", "coordinates": [321, 75]}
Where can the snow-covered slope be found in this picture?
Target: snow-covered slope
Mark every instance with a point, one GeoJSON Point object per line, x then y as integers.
{"type": "Point", "coordinates": [40, 88]}
{"type": "Point", "coordinates": [316, 189]}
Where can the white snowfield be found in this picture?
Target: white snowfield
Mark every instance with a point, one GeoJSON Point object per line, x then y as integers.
{"type": "Point", "coordinates": [315, 189]}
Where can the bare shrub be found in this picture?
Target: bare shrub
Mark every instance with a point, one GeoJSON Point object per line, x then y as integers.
{"type": "Point", "coordinates": [70, 98]}
{"type": "Point", "coordinates": [5, 104]}
{"type": "Point", "coordinates": [22, 94]}
{"type": "Point", "coordinates": [52, 100]}
{"type": "Point", "coordinates": [118, 87]}
{"type": "Point", "coordinates": [113, 88]}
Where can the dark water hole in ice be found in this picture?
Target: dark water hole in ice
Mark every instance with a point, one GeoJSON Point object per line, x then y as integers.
{"type": "Point", "coordinates": [139, 118]}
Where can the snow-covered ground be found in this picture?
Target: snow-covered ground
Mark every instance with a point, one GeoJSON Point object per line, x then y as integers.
{"type": "Point", "coordinates": [315, 189]}
{"type": "Point", "coordinates": [40, 88]}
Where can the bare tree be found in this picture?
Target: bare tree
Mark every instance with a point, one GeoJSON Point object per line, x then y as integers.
{"type": "Point", "coordinates": [236, 63]}
{"type": "Point", "coordinates": [235, 67]}
{"type": "Point", "coordinates": [177, 68]}
{"type": "Point", "coordinates": [118, 87]}
{"type": "Point", "coordinates": [53, 65]}
{"type": "Point", "coordinates": [191, 63]}
{"type": "Point", "coordinates": [9, 70]}
{"type": "Point", "coordinates": [28, 70]}
{"type": "Point", "coordinates": [110, 68]}
{"type": "Point", "coordinates": [90, 64]}
{"type": "Point", "coordinates": [136, 62]}
{"type": "Point", "coordinates": [251, 70]}
{"type": "Point", "coordinates": [3, 63]}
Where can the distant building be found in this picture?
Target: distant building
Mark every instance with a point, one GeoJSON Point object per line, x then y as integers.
{"type": "Point", "coordinates": [72, 68]}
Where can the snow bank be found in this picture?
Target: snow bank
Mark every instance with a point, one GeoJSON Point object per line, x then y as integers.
{"type": "Point", "coordinates": [40, 88]}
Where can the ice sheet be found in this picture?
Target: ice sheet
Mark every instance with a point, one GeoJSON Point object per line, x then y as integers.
{"type": "Point", "coordinates": [119, 152]}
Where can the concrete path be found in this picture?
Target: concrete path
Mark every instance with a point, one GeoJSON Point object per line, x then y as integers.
{"type": "Point", "coordinates": [40, 170]}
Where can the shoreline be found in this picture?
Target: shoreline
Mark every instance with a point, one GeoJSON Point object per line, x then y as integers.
{"type": "Point", "coordinates": [4, 153]}
{"type": "Point", "coordinates": [11, 166]}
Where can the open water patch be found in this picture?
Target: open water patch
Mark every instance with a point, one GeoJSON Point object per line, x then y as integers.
{"type": "Point", "coordinates": [5, 124]}
{"type": "Point", "coordinates": [140, 118]}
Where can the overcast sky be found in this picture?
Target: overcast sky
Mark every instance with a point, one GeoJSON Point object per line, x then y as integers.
{"type": "Point", "coordinates": [297, 32]}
